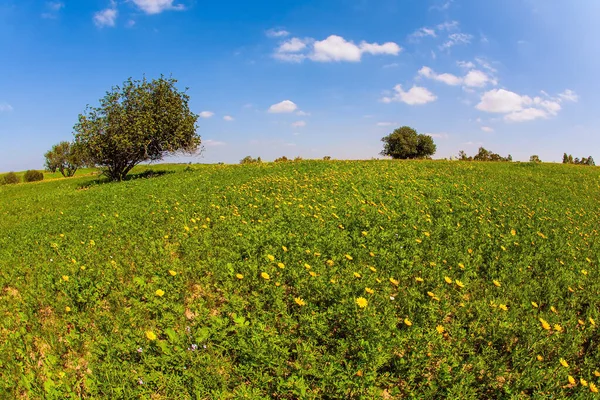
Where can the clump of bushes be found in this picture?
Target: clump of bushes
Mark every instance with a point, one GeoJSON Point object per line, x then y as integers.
{"type": "Point", "coordinates": [326, 158]}
{"type": "Point", "coordinates": [282, 159]}
{"type": "Point", "coordinates": [33, 176]}
{"type": "Point", "coordinates": [250, 160]}
{"type": "Point", "coordinates": [9, 179]}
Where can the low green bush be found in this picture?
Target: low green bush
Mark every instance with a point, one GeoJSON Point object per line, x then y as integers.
{"type": "Point", "coordinates": [33, 176]}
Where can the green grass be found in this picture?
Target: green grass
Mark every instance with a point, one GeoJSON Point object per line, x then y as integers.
{"type": "Point", "coordinates": [57, 175]}
{"type": "Point", "coordinates": [155, 288]}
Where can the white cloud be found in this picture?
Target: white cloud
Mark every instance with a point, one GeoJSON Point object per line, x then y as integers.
{"type": "Point", "coordinates": [106, 17]}
{"type": "Point", "coordinates": [520, 108]}
{"type": "Point", "coordinates": [302, 113]}
{"type": "Point", "coordinates": [392, 65]}
{"type": "Point", "coordinates": [157, 6]}
{"type": "Point", "coordinates": [275, 33]}
{"type": "Point", "coordinates": [417, 95]}
{"type": "Point", "coordinates": [53, 8]}
{"type": "Point", "coordinates": [465, 64]}
{"type": "Point", "coordinates": [423, 32]}
{"type": "Point", "coordinates": [485, 64]}
{"type": "Point", "coordinates": [442, 6]}
{"type": "Point", "coordinates": [212, 143]}
{"type": "Point", "coordinates": [299, 124]}
{"type": "Point", "coordinates": [474, 78]}
{"type": "Point", "coordinates": [448, 26]}
{"type": "Point", "coordinates": [502, 101]}
{"type": "Point", "coordinates": [286, 106]}
{"type": "Point", "coordinates": [527, 114]}
{"type": "Point", "coordinates": [333, 48]}
{"type": "Point", "coordinates": [433, 31]}
{"type": "Point", "coordinates": [442, 135]}
{"type": "Point", "coordinates": [293, 45]}
{"type": "Point", "coordinates": [448, 79]}
{"type": "Point", "coordinates": [569, 95]}
{"type": "Point", "coordinates": [206, 114]}
{"type": "Point", "coordinates": [386, 123]}
{"type": "Point", "coordinates": [487, 129]}
{"type": "Point", "coordinates": [455, 39]}
{"type": "Point", "coordinates": [228, 118]}
{"type": "Point", "coordinates": [5, 107]}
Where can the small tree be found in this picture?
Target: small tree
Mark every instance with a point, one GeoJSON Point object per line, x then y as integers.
{"type": "Point", "coordinates": [281, 159]}
{"type": "Point", "coordinates": [250, 160]}
{"type": "Point", "coordinates": [535, 159]}
{"type": "Point", "coordinates": [590, 161]}
{"type": "Point", "coordinates": [9, 179]}
{"type": "Point", "coordinates": [33, 176]}
{"type": "Point", "coordinates": [406, 143]}
{"type": "Point", "coordinates": [326, 158]}
{"type": "Point", "coordinates": [565, 158]}
{"type": "Point", "coordinates": [140, 121]}
{"type": "Point", "coordinates": [64, 157]}
{"type": "Point", "coordinates": [570, 159]}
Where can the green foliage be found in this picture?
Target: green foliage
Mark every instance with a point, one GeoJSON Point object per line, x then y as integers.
{"type": "Point", "coordinates": [140, 121]}
{"type": "Point", "coordinates": [483, 155]}
{"type": "Point", "coordinates": [33, 176]}
{"type": "Point", "coordinates": [281, 159]}
{"type": "Point", "coordinates": [535, 159]}
{"type": "Point", "coordinates": [64, 157]}
{"type": "Point", "coordinates": [9, 179]}
{"type": "Point", "coordinates": [327, 158]}
{"type": "Point", "coordinates": [250, 160]}
{"type": "Point", "coordinates": [584, 160]}
{"type": "Point", "coordinates": [405, 143]}
{"type": "Point", "coordinates": [155, 288]}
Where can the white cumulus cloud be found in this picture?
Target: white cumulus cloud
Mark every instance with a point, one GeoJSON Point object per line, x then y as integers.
{"type": "Point", "coordinates": [206, 114]}
{"type": "Point", "coordinates": [448, 79]}
{"type": "Point", "coordinates": [106, 17]}
{"type": "Point", "coordinates": [275, 33]}
{"type": "Point", "coordinates": [527, 114]}
{"type": "Point", "coordinates": [286, 106]}
{"type": "Point", "coordinates": [474, 78]}
{"type": "Point", "coordinates": [502, 101]}
{"type": "Point", "coordinates": [228, 118]}
{"type": "Point", "coordinates": [456, 39]}
{"type": "Point", "coordinates": [416, 95]}
{"type": "Point", "coordinates": [569, 95]}
{"type": "Point", "coordinates": [157, 6]}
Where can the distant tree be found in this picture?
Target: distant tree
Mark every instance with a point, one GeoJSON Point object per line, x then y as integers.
{"type": "Point", "coordinates": [583, 161]}
{"type": "Point", "coordinates": [9, 179]}
{"type": "Point", "coordinates": [535, 158]}
{"type": "Point", "coordinates": [64, 157]}
{"type": "Point", "coordinates": [298, 158]}
{"type": "Point", "coordinates": [576, 161]}
{"type": "Point", "coordinates": [282, 159]}
{"type": "Point", "coordinates": [509, 158]}
{"type": "Point", "coordinates": [33, 176]}
{"type": "Point", "coordinates": [482, 155]}
{"type": "Point", "coordinates": [462, 155]}
{"type": "Point", "coordinates": [590, 161]}
{"type": "Point", "coordinates": [406, 143]}
{"type": "Point", "coordinates": [140, 121]}
{"type": "Point", "coordinates": [327, 158]}
{"type": "Point", "coordinates": [250, 160]}
{"type": "Point", "coordinates": [565, 158]}
{"type": "Point", "coordinates": [570, 159]}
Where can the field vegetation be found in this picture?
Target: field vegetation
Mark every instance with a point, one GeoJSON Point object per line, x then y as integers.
{"type": "Point", "coordinates": [303, 280]}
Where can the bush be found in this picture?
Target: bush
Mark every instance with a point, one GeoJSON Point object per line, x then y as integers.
{"type": "Point", "coordinates": [250, 160]}
{"type": "Point", "coordinates": [33, 176]}
{"type": "Point", "coordinates": [10, 179]}
{"type": "Point", "coordinates": [326, 158]}
{"type": "Point", "coordinates": [282, 159]}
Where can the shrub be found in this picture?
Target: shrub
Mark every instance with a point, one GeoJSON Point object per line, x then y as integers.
{"type": "Point", "coordinates": [298, 158]}
{"type": "Point", "coordinates": [33, 176]}
{"type": "Point", "coordinates": [250, 160]}
{"type": "Point", "coordinates": [326, 158]}
{"type": "Point", "coordinates": [282, 159]}
{"type": "Point", "coordinates": [10, 179]}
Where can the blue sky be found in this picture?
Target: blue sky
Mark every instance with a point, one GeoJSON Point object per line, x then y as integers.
{"type": "Point", "coordinates": [312, 78]}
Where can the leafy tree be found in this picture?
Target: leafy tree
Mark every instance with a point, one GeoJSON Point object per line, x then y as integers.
{"type": "Point", "coordinates": [64, 157]}
{"type": "Point", "coordinates": [570, 159]}
{"type": "Point", "coordinates": [32, 175]}
{"type": "Point", "coordinates": [565, 158]}
{"type": "Point", "coordinates": [140, 121]}
{"type": "Point", "coordinates": [590, 161]}
{"type": "Point", "coordinates": [535, 158]}
{"type": "Point", "coordinates": [282, 159]}
{"type": "Point", "coordinates": [9, 179]}
{"type": "Point", "coordinates": [462, 155]}
{"type": "Point", "coordinates": [406, 143]}
{"type": "Point", "coordinates": [326, 158]}
{"type": "Point", "coordinates": [250, 160]}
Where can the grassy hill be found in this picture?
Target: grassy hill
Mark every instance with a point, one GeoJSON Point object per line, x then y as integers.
{"type": "Point", "coordinates": [342, 279]}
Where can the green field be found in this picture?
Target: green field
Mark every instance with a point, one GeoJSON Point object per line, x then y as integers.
{"type": "Point", "coordinates": [304, 280]}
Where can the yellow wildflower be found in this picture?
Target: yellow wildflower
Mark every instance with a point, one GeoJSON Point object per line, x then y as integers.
{"type": "Point", "coordinates": [67, 309]}
{"type": "Point", "coordinates": [364, 233]}
{"type": "Point", "coordinates": [239, 276]}
{"type": "Point", "coordinates": [369, 290]}
{"type": "Point", "coordinates": [306, 266]}
{"type": "Point", "coordinates": [172, 273]}
{"type": "Point", "coordinates": [284, 248]}
{"type": "Point", "coordinates": [150, 335]}
{"type": "Point", "coordinates": [592, 321]}
{"type": "Point", "coordinates": [419, 279]}
{"type": "Point", "coordinates": [440, 329]}
{"type": "Point", "coordinates": [545, 324]}
{"type": "Point", "coordinates": [593, 388]}
{"type": "Point", "coordinates": [553, 310]}
{"type": "Point", "coordinates": [407, 322]}
{"type": "Point", "coordinates": [496, 283]}
{"type": "Point", "coordinates": [373, 269]}
{"type": "Point", "coordinates": [270, 257]}
{"type": "Point", "coordinates": [348, 257]}
{"type": "Point", "coordinates": [313, 273]}
{"type": "Point", "coordinates": [300, 301]}
{"type": "Point", "coordinates": [372, 254]}
{"type": "Point", "coordinates": [356, 275]}
{"type": "Point", "coordinates": [534, 304]}
{"type": "Point", "coordinates": [459, 284]}
{"type": "Point", "coordinates": [448, 280]}
{"type": "Point", "coordinates": [159, 292]}
{"type": "Point", "coordinates": [430, 294]}
{"type": "Point", "coordinates": [394, 282]}
{"type": "Point", "coordinates": [564, 363]}
{"type": "Point", "coordinates": [65, 278]}
{"type": "Point", "coordinates": [461, 265]}
{"type": "Point", "coordinates": [503, 307]}
{"type": "Point", "coordinates": [513, 232]}
{"type": "Point", "coordinates": [281, 265]}
{"type": "Point", "coordinates": [540, 358]}
{"type": "Point", "coordinates": [362, 302]}
{"type": "Point", "coordinates": [596, 373]}
{"type": "Point", "coordinates": [264, 275]}
{"type": "Point", "coordinates": [583, 382]}
{"type": "Point", "coordinates": [558, 328]}
{"type": "Point", "coordinates": [571, 380]}
{"type": "Point", "coordinates": [329, 263]}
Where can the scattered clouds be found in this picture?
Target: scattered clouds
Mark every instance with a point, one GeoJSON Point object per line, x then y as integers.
{"type": "Point", "coordinates": [473, 78]}
{"type": "Point", "coordinates": [443, 6]}
{"type": "Point", "coordinates": [52, 9]}
{"type": "Point", "coordinates": [433, 31]}
{"type": "Point", "coordinates": [392, 65]}
{"type": "Point", "coordinates": [286, 106]}
{"type": "Point", "coordinates": [487, 129]}
{"type": "Point", "coordinates": [276, 33]}
{"type": "Point", "coordinates": [465, 64]}
{"type": "Point", "coordinates": [106, 17]}
{"type": "Point", "coordinates": [212, 143]}
{"type": "Point", "coordinates": [417, 95]}
{"type": "Point", "coordinates": [485, 64]}
{"type": "Point", "coordinates": [442, 135]}
{"type": "Point", "coordinates": [206, 114]}
{"type": "Point", "coordinates": [228, 118]}
{"type": "Point", "coordinates": [302, 113]}
{"type": "Point", "coordinates": [5, 107]}
{"type": "Point", "coordinates": [520, 108]}
{"type": "Point", "coordinates": [157, 6]}
{"type": "Point", "coordinates": [386, 123]}
{"type": "Point", "coordinates": [332, 49]}
{"type": "Point", "coordinates": [299, 124]}
{"type": "Point", "coordinates": [456, 39]}
{"type": "Point", "coordinates": [569, 95]}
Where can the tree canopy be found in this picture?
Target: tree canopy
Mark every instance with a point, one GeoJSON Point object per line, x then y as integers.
{"type": "Point", "coordinates": [406, 143]}
{"type": "Point", "coordinates": [64, 157]}
{"type": "Point", "coordinates": [139, 121]}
